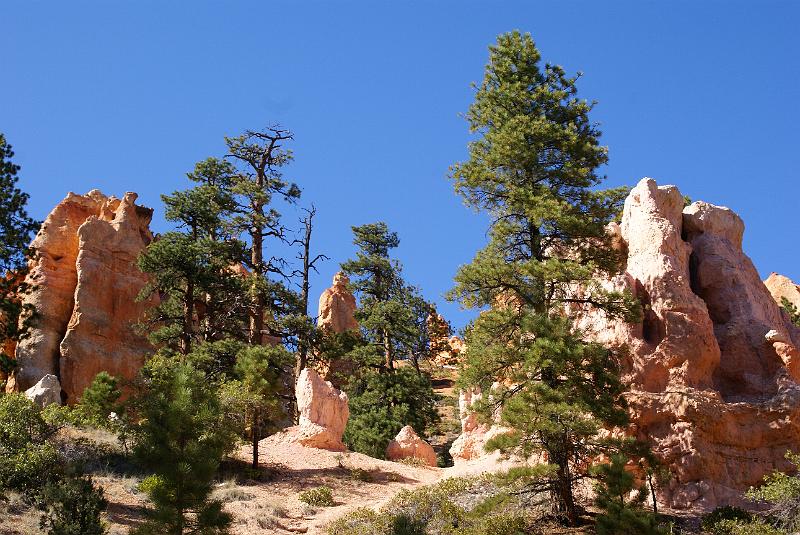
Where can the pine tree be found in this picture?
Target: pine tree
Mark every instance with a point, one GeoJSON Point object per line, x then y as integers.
{"type": "Point", "coordinates": [257, 182]}
{"type": "Point", "coordinates": [259, 370]}
{"type": "Point", "coordinates": [621, 513]}
{"type": "Point", "coordinates": [192, 269]}
{"type": "Point", "coordinates": [16, 230]}
{"type": "Point", "coordinates": [181, 437]}
{"type": "Point", "coordinates": [534, 171]}
{"type": "Point", "coordinates": [383, 397]}
{"type": "Point", "coordinates": [791, 310]}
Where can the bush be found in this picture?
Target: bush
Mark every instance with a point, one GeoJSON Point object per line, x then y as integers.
{"type": "Point", "coordinates": [73, 507]}
{"type": "Point", "coordinates": [100, 399]}
{"type": "Point", "coordinates": [318, 497]}
{"type": "Point", "coordinates": [29, 460]}
{"type": "Point", "coordinates": [709, 522]}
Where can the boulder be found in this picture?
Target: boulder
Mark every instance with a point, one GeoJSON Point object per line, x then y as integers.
{"type": "Point", "coordinates": [407, 444]}
{"type": "Point", "coordinates": [324, 411]}
{"type": "Point", "coordinates": [713, 367]}
{"type": "Point", "coordinates": [85, 282]}
{"type": "Point", "coordinates": [46, 391]}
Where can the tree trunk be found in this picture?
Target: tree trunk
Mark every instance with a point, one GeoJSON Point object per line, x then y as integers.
{"type": "Point", "coordinates": [188, 313]}
{"type": "Point", "coordinates": [257, 311]}
{"type": "Point", "coordinates": [255, 436]}
{"type": "Point", "coordinates": [565, 500]}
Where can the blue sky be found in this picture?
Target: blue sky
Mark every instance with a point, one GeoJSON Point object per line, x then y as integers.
{"type": "Point", "coordinates": [128, 95]}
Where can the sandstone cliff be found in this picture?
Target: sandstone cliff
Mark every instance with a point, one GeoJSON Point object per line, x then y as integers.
{"type": "Point", "coordinates": [713, 385]}
{"type": "Point", "coordinates": [86, 283]}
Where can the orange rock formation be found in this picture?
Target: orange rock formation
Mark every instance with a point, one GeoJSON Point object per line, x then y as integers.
{"type": "Point", "coordinates": [86, 282]}
{"type": "Point", "coordinates": [712, 368]}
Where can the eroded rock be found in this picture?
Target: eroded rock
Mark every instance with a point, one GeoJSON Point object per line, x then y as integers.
{"type": "Point", "coordinates": [712, 368]}
{"type": "Point", "coordinates": [85, 282]}
{"type": "Point", "coordinates": [407, 444]}
{"type": "Point", "coordinates": [323, 410]}
{"type": "Point", "coordinates": [46, 391]}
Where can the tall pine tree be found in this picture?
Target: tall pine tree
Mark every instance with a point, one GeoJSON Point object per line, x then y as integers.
{"type": "Point", "coordinates": [533, 170]}
{"type": "Point", "coordinates": [384, 396]}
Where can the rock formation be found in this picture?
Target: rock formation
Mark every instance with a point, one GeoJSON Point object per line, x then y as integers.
{"type": "Point", "coordinates": [337, 307]}
{"type": "Point", "coordinates": [471, 443]}
{"type": "Point", "coordinates": [712, 367]}
{"type": "Point", "coordinates": [407, 444]}
{"type": "Point", "coordinates": [86, 282]}
{"type": "Point", "coordinates": [47, 391]}
{"type": "Point", "coordinates": [446, 349]}
{"type": "Point", "coordinates": [783, 287]}
{"type": "Point", "coordinates": [324, 411]}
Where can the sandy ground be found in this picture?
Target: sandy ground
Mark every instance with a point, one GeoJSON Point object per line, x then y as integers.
{"type": "Point", "coordinates": [356, 480]}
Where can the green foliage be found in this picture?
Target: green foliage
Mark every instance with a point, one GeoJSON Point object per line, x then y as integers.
{"type": "Point", "coordinates": [258, 370]}
{"type": "Point", "coordinates": [790, 309]}
{"type": "Point", "coordinates": [181, 437]}
{"type": "Point", "coordinates": [16, 230]}
{"type": "Point", "coordinates": [29, 460]}
{"type": "Point", "coordinates": [392, 314]}
{"type": "Point", "coordinates": [534, 171]}
{"type": "Point", "coordinates": [451, 507]}
{"type": "Point", "coordinates": [741, 527]}
{"type": "Point", "coordinates": [318, 497]}
{"type": "Point", "coordinates": [73, 507]}
{"type": "Point", "coordinates": [720, 520]}
{"type": "Point", "coordinates": [100, 399]}
{"type": "Point", "coordinates": [621, 515]}
{"type": "Point", "coordinates": [383, 403]}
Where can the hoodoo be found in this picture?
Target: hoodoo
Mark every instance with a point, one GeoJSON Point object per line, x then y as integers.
{"type": "Point", "coordinates": [86, 282]}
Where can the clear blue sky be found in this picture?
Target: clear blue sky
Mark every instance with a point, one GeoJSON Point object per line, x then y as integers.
{"type": "Point", "coordinates": [128, 95]}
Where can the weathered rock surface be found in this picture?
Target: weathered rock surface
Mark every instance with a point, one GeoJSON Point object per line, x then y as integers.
{"type": "Point", "coordinates": [713, 365]}
{"type": "Point", "coordinates": [471, 443]}
{"type": "Point", "coordinates": [86, 282]}
{"type": "Point", "coordinates": [407, 444]}
{"type": "Point", "coordinates": [46, 391]}
{"type": "Point", "coordinates": [337, 306]}
{"type": "Point", "coordinates": [781, 286]}
{"type": "Point", "coordinates": [446, 349]}
{"type": "Point", "coordinates": [324, 411]}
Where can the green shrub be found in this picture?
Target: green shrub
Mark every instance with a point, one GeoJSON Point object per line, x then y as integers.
{"type": "Point", "coordinates": [100, 399]}
{"type": "Point", "coordinates": [28, 459]}
{"type": "Point", "coordinates": [709, 522]}
{"type": "Point", "coordinates": [362, 521]}
{"type": "Point", "coordinates": [73, 507]}
{"type": "Point", "coordinates": [742, 527]}
{"type": "Point", "coordinates": [318, 497]}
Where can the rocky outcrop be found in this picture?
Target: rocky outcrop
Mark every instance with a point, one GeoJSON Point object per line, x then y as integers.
{"type": "Point", "coordinates": [337, 306]}
{"type": "Point", "coordinates": [407, 444]}
{"type": "Point", "coordinates": [46, 392]}
{"type": "Point", "coordinates": [446, 350]}
{"type": "Point", "coordinates": [782, 287]}
{"type": "Point", "coordinates": [86, 282]}
{"type": "Point", "coordinates": [471, 443]}
{"type": "Point", "coordinates": [712, 367]}
{"type": "Point", "coordinates": [323, 410]}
